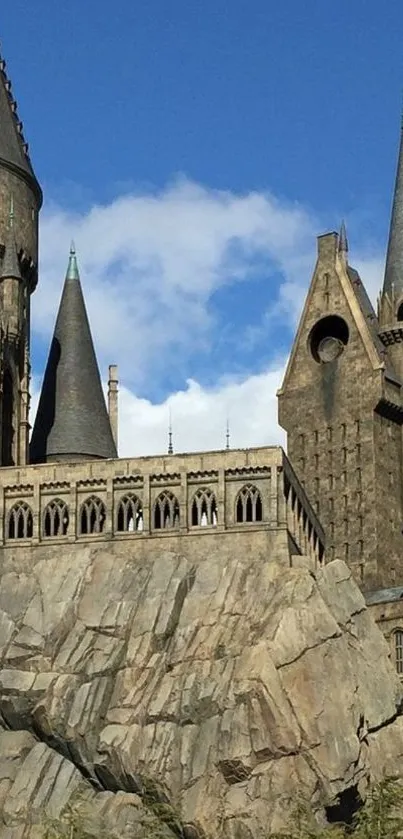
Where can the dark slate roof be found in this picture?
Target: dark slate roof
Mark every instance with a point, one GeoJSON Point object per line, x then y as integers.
{"type": "Point", "coordinates": [367, 310]}
{"type": "Point", "coordinates": [384, 595]}
{"type": "Point", "coordinates": [72, 422]}
{"type": "Point", "coordinates": [394, 256]}
{"type": "Point", "coordinates": [13, 148]}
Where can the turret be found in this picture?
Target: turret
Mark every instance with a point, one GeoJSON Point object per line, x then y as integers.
{"type": "Point", "coordinates": [340, 406]}
{"type": "Point", "coordinates": [72, 422]}
{"type": "Point", "coordinates": [17, 178]}
{"type": "Point", "coordinates": [18, 275]}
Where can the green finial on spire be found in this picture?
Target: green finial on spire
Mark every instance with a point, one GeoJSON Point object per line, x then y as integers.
{"type": "Point", "coordinates": [72, 268]}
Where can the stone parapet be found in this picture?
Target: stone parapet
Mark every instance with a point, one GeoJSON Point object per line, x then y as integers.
{"type": "Point", "coordinates": [157, 497]}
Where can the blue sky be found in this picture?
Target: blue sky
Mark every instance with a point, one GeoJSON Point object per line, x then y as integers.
{"type": "Point", "coordinates": [235, 129]}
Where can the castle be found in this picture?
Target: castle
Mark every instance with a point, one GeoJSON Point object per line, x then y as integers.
{"type": "Point", "coordinates": [341, 404]}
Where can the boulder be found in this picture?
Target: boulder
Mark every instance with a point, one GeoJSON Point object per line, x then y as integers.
{"type": "Point", "coordinates": [195, 699]}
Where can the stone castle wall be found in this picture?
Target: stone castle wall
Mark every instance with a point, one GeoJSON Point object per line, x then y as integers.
{"type": "Point", "coordinates": [197, 496]}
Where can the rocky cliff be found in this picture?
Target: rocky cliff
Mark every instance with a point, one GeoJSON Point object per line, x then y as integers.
{"type": "Point", "coordinates": [187, 699]}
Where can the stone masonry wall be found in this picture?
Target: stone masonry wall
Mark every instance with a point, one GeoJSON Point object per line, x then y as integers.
{"type": "Point", "coordinates": [251, 490]}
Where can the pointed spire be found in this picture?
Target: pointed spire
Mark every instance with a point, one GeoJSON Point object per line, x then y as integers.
{"type": "Point", "coordinates": [72, 422]}
{"type": "Point", "coordinates": [10, 268]}
{"type": "Point", "coordinates": [394, 257]}
{"type": "Point", "coordinates": [13, 148]}
{"type": "Point", "coordinates": [343, 241]}
{"type": "Point", "coordinates": [227, 436]}
{"type": "Point", "coordinates": [170, 445]}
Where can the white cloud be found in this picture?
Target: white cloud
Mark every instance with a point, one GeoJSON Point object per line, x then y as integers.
{"type": "Point", "coordinates": [370, 266]}
{"type": "Point", "coordinates": [150, 265]}
{"type": "Point", "coordinates": [199, 417]}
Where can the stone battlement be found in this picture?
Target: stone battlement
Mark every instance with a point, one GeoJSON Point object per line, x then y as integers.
{"type": "Point", "coordinates": [152, 497]}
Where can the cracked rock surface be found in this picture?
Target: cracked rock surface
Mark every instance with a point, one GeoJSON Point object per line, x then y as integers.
{"type": "Point", "coordinates": [225, 687]}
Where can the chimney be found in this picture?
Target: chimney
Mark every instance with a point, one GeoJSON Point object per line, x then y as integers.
{"type": "Point", "coordinates": [113, 389]}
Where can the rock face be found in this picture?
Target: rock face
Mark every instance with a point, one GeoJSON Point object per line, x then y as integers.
{"type": "Point", "coordinates": [225, 688]}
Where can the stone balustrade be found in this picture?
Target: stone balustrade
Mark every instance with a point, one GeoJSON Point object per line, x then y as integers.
{"type": "Point", "coordinates": [152, 497]}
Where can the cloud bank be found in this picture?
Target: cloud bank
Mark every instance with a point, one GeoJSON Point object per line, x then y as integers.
{"type": "Point", "coordinates": [159, 271]}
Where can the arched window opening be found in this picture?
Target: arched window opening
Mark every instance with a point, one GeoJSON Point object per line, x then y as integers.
{"type": "Point", "coordinates": [204, 509]}
{"type": "Point", "coordinates": [399, 315]}
{"type": "Point", "coordinates": [92, 516]}
{"type": "Point", "coordinates": [166, 511]}
{"type": "Point", "coordinates": [7, 430]}
{"type": "Point", "coordinates": [56, 519]}
{"type": "Point", "coordinates": [20, 521]}
{"type": "Point", "coordinates": [249, 507]}
{"type": "Point", "coordinates": [399, 651]}
{"type": "Point", "coordinates": [129, 516]}
{"type": "Point", "coordinates": [327, 338]}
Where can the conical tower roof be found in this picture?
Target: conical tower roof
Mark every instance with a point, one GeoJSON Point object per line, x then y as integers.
{"type": "Point", "coordinates": [72, 422]}
{"type": "Point", "coordinates": [394, 257]}
{"type": "Point", "coordinates": [13, 148]}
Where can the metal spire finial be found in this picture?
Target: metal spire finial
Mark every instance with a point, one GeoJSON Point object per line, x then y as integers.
{"type": "Point", "coordinates": [170, 446]}
{"type": "Point", "coordinates": [227, 436]}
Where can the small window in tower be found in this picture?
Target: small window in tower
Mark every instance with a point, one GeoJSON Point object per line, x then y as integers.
{"type": "Point", "coordinates": [399, 315]}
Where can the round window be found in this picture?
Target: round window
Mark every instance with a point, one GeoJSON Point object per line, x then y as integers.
{"type": "Point", "coordinates": [328, 338]}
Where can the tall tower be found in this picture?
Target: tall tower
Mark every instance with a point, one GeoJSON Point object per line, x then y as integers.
{"type": "Point", "coordinates": [390, 302]}
{"type": "Point", "coordinates": [20, 202]}
{"type": "Point", "coordinates": [341, 406]}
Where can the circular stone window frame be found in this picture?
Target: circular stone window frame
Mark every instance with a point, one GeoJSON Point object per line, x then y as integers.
{"type": "Point", "coordinates": [328, 338]}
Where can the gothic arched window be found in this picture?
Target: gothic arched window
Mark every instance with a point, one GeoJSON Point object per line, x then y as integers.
{"type": "Point", "coordinates": [129, 514]}
{"type": "Point", "coordinates": [20, 521]}
{"type": "Point", "coordinates": [92, 516]}
{"type": "Point", "coordinates": [249, 505]}
{"type": "Point", "coordinates": [399, 315]}
{"type": "Point", "coordinates": [204, 508]}
{"type": "Point", "coordinates": [56, 518]}
{"type": "Point", "coordinates": [166, 511]}
{"type": "Point", "coordinates": [398, 637]}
